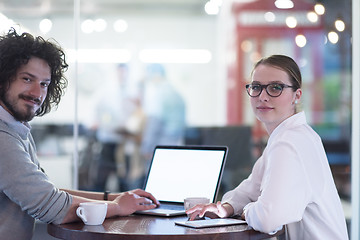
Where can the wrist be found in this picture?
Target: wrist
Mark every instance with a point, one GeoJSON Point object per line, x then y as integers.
{"type": "Point", "coordinates": [113, 209]}
{"type": "Point", "coordinates": [229, 209]}
{"type": "Point", "coordinates": [106, 195]}
{"type": "Point", "coordinates": [243, 216]}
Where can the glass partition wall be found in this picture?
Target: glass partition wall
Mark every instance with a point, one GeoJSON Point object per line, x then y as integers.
{"type": "Point", "coordinates": [143, 73]}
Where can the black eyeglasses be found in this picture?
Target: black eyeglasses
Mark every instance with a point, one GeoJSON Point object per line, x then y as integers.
{"type": "Point", "coordinates": [272, 89]}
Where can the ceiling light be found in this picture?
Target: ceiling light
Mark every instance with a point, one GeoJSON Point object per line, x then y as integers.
{"type": "Point", "coordinates": [100, 25]}
{"type": "Point", "coordinates": [120, 25]}
{"type": "Point", "coordinates": [175, 56]}
{"type": "Point", "coordinates": [211, 8]}
{"type": "Point", "coordinates": [99, 55]}
{"type": "Point", "coordinates": [339, 25]}
{"type": "Point", "coordinates": [319, 9]}
{"type": "Point", "coordinates": [246, 46]}
{"type": "Point", "coordinates": [333, 37]}
{"type": "Point", "coordinates": [291, 22]}
{"type": "Point", "coordinates": [45, 25]}
{"type": "Point", "coordinates": [88, 26]}
{"type": "Point", "coordinates": [269, 16]}
{"type": "Point", "coordinates": [312, 17]}
{"type": "Point", "coordinates": [300, 40]}
{"type": "Point", "coordinates": [284, 4]}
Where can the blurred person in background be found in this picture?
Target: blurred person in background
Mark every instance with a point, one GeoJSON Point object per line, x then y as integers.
{"type": "Point", "coordinates": [164, 110]}
{"type": "Point", "coordinates": [118, 124]}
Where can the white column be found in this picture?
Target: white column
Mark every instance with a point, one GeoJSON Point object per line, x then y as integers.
{"type": "Point", "coordinates": [76, 122]}
{"type": "Point", "coordinates": [355, 153]}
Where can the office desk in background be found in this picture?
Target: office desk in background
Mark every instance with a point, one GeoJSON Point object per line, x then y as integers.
{"type": "Point", "coordinates": [137, 227]}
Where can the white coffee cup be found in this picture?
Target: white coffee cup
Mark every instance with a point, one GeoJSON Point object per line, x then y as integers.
{"type": "Point", "coordinates": [92, 213]}
{"type": "Point", "coordinates": [193, 201]}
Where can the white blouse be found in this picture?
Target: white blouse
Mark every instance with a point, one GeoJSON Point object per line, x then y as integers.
{"type": "Point", "coordinates": [291, 184]}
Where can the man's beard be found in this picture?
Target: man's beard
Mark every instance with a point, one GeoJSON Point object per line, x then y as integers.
{"type": "Point", "coordinates": [20, 115]}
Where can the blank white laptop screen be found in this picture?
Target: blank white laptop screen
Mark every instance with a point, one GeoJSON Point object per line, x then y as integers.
{"type": "Point", "coordinates": [177, 173]}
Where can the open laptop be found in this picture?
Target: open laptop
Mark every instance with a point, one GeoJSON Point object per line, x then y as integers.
{"type": "Point", "coordinates": [178, 172]}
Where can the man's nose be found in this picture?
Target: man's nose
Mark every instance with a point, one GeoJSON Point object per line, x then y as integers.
{"type": "Point", "coordinates": [36, 91]}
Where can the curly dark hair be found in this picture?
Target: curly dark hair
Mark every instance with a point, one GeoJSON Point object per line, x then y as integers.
{"type": "Point", "coordinates": [17, 49]}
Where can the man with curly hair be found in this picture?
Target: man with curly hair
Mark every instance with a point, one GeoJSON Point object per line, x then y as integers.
{"type": "Point", "coordinates": [32, 82]}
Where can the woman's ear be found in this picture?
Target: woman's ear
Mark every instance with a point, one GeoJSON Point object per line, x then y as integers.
{"type": "Point", "coordinates": [298, 94]}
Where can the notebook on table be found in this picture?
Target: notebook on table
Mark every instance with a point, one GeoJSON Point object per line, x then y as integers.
{"type": "Point", "coordinates": [178, 172]}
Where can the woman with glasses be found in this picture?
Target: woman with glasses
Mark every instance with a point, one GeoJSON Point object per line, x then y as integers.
{"type": "Point", "coordinates": [291, 184]}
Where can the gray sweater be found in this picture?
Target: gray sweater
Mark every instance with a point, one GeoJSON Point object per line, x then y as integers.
{"type": "Point", "coordinates": [26, 193]}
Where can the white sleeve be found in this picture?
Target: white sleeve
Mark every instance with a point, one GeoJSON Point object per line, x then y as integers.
{"type": "Point", "coordinates": [247, 191]}
{"type": "Point", "coordinates": [284, 190]}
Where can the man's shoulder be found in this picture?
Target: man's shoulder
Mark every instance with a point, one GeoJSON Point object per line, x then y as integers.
{"type": "Point", "coordinates": [4, 127]}
{"type": "Point", "coordinates": [6, 130]}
